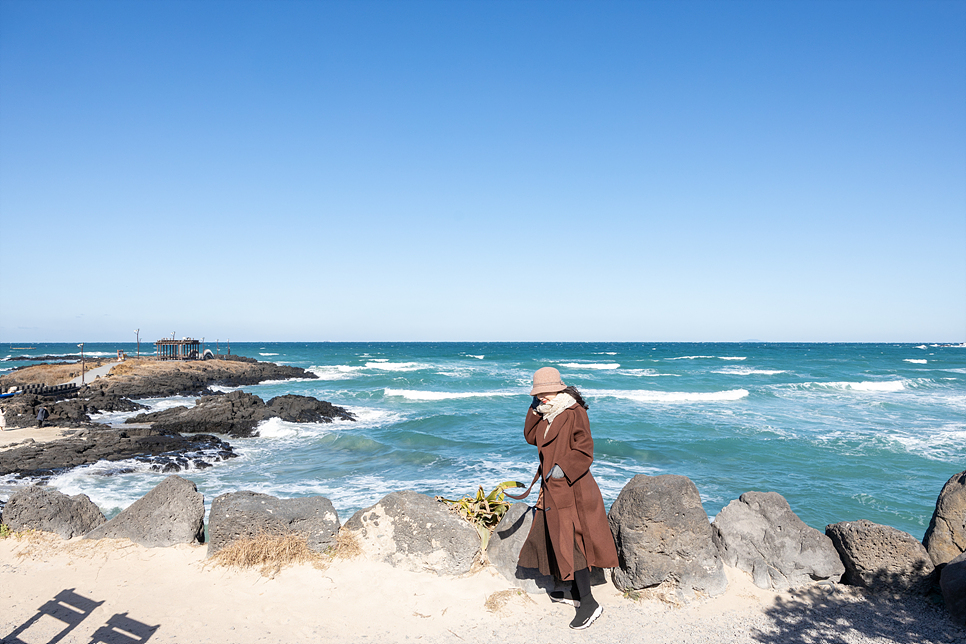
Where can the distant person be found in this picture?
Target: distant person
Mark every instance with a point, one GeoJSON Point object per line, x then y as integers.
{"type": "Point", "coordinates": [570, 532]}
{"type": "Point", "coordinates": [3, 421]}
{"type": "Point", "coordinates": [42, 415]}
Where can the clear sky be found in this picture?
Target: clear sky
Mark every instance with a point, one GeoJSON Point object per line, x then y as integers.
{"type": "Point", "coordinates": [545, 171]}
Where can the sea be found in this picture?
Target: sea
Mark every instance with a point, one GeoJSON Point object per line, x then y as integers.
{"type": "Point", "coordinates": [842, 431]}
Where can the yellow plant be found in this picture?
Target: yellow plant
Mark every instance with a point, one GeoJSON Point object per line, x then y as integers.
{"type": "Point", "coordinates": [484, 511]}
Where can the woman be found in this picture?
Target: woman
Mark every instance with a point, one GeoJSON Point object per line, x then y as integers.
{"type": "Point", "coordinates": [570, 532]}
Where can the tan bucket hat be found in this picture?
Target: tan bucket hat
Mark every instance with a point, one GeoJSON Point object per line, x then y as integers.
{"type": "Point", "coordinates": [547, 381]}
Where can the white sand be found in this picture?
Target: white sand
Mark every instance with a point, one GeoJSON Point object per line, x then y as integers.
{"type": "Point", "coordinates": [359, 601]}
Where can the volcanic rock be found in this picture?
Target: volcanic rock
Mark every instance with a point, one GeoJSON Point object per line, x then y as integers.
{"type": "Point", "coordinates": [415, 532]}
{"type": "Point", "coordinates": [945, 538]}
{"type": "Point", "coordinates": [238, 414]}
{"type": "Point", "coordinates": [881, 558]}
{"type": "Point", "coordinates": [663, 535]}
{"type": "Point", "coordinates": [759, 533]}
{"type": "Point", "coordinates": [166, 452]}
{"type": "Point", "coordinates": [48, 510]}
{"type": "Point", "coordinates": [953, 584]}
{"type": "Point", "coordinates": [172, 513]}
{"type": "Point", "coordinates": [239, 515]}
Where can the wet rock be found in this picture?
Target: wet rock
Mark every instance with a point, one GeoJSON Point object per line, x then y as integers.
{"type": "Point", "coordinates": [42, 460]}
{"type": "Point", "coordinates": [238, 414]}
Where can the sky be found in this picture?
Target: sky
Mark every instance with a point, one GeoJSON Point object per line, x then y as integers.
{"type": "Point", "coordinates": [483, 171]}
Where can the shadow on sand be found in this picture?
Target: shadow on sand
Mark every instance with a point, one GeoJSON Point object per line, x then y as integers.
{"type": "Point", "coordinates": [844, 614]}
{"type": "Point", "coordinates": [55, 619]}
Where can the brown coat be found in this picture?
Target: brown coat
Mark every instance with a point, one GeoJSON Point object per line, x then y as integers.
{"type": "Point", "coordinates": [574, 507]}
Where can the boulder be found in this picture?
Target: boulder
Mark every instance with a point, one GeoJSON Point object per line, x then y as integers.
{"type": "Point", "coordinates": [881, 558]}
{"type": "Point", "coordinates": [953, 584]}
{"type": "Point", "coordinates": [173, 512]}
{"type": "Point", "coordinates": [415, 532]}
{"type": "Point", "coordinates": [46, 509]}
{"type": "Point", "coordinates": [663, 535]}
{"type": "Point", "coordinates": [946, 535]}
{"type": "Point", "coordinates": [759, 533]}
{"type": "Point", "coordinates": [504, 550]}
{"type": "Point", "coordinates": [247, 514]}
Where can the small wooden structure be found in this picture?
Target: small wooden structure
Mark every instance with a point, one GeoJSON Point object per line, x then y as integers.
{"type": "Point", "coordinates": [184, 349]}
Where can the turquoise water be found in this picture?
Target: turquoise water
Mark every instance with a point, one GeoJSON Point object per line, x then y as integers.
{"type": "Point", "coordinates": [843, 431]}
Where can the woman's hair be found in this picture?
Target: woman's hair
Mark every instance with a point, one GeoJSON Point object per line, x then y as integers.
{"type": "Point", "coordinates": [576, 396]}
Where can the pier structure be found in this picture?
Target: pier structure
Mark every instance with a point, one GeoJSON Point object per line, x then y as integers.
{"type": "Point", "coordinates": [183, 349]}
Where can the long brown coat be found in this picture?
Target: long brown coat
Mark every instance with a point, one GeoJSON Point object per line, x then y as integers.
{"type": "Point", "coordinates": [574, 508]}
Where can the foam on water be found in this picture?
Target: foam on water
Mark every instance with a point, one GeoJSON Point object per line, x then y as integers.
{"type": "Point", "coordinates": [915, 361]}
{"type": "Point", "coordinates": [411, 394]}
{"type": "Point", "coordinates": [385, 365]}
{"type": "Point", "coordinates": [470, 355]}
{"type": "Point", "coordinates": [692, 358]}
{"type": "Point", "coordinates": [268, 354]}
{"type": "Point", "coordinates": [748, 371]}
{"type": "Point", "coordinates": [667, 396]}
{"type": "Point", "coordinates": [590, 365]}
{"type": "Point", "coordinates": [646, 373]}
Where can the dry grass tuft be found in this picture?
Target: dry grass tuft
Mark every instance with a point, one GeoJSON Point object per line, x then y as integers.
{"type": "Point", "coordinates": [346, 546]}
{"type": "Point", "coordinates": [496, 602]}
{"type": "Point", "coordinates": [269, 553]}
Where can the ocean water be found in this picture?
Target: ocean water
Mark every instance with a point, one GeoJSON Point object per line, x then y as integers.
{"type": "Point", "coordinates": [842, 431]}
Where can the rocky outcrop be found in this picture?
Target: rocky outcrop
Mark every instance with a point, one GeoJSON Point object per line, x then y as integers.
{"type": "Point", "coordinates": [759, 533]}
{"type": "Point", "coordinates": [165, 452]}
{"type": "Point", "coordinates": [415, 532]}
{"type": "Point", "coordinates": [239, 515]}
{"type": "Point", "coordinates": [953, 584]}
{"type": "Point", "coordinates": [238, 414]}
{"type": "Point", "coordinates": [146, 379]}
{"type": "Point", "coordinates": [21, 410]}
{"type": "Point", "coordinates": [881, 558]}
{"type": "Point", "coordinates": [46, 509]}
{"type": "Point", "coordinates": [172, 513]}
{"type": "Point", "coordinates": [663, 535]}
{"type": "Point", "coordinates": [946, 536]}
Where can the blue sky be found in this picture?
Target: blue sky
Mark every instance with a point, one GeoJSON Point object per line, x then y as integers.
{"type": "Point", "coordinates": [652, 171]}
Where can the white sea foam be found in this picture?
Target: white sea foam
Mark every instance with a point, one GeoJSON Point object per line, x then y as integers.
{"type": "Point", "coordinates": [748, 371]}
{"type": "Point", "coordinates": [395, 366]}
{"type": "Point", "coordinates": [691, 358]}
{"type": "Point", "coordinates": [922, 346]}
{"type": "Point", "coordinates": [412, 394]}
{"type": "Point", "coordinates": [470, 355]}
{"type": "Point", "coordinates": [732, 357]}
{"type": "Point", "coordinates": [590, 365]}
{"type": "Point", "coordinates": [335, 372]}
{"type": "Point", "coordinates": [648, 373]}
{"type": "Point", "coordinates": [605, 353]}
{"type": "Point", "coordinates": [268, 354]}
{"type": "Point", "coordinates": [647, 396]}
{"type": "Point", "coordinates": [915, 361]}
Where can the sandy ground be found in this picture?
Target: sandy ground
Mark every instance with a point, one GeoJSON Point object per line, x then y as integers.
{"type": "Point", "coordinates": [13, 435]}
{"type": "Point", "coordinates": [122, 592]}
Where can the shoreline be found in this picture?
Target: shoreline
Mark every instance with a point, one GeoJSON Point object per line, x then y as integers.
{"type": "Point", "coordinates": [188, 599]}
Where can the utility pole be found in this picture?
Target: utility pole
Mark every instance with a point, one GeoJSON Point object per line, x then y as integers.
{"type": "Point", "coordinates": [137, 332]}
{"type": "Point", "coordinates": [81, 345]}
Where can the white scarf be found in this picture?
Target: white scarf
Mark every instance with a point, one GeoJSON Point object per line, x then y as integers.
{"type": "Point", "coordinates": [552, 409]}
